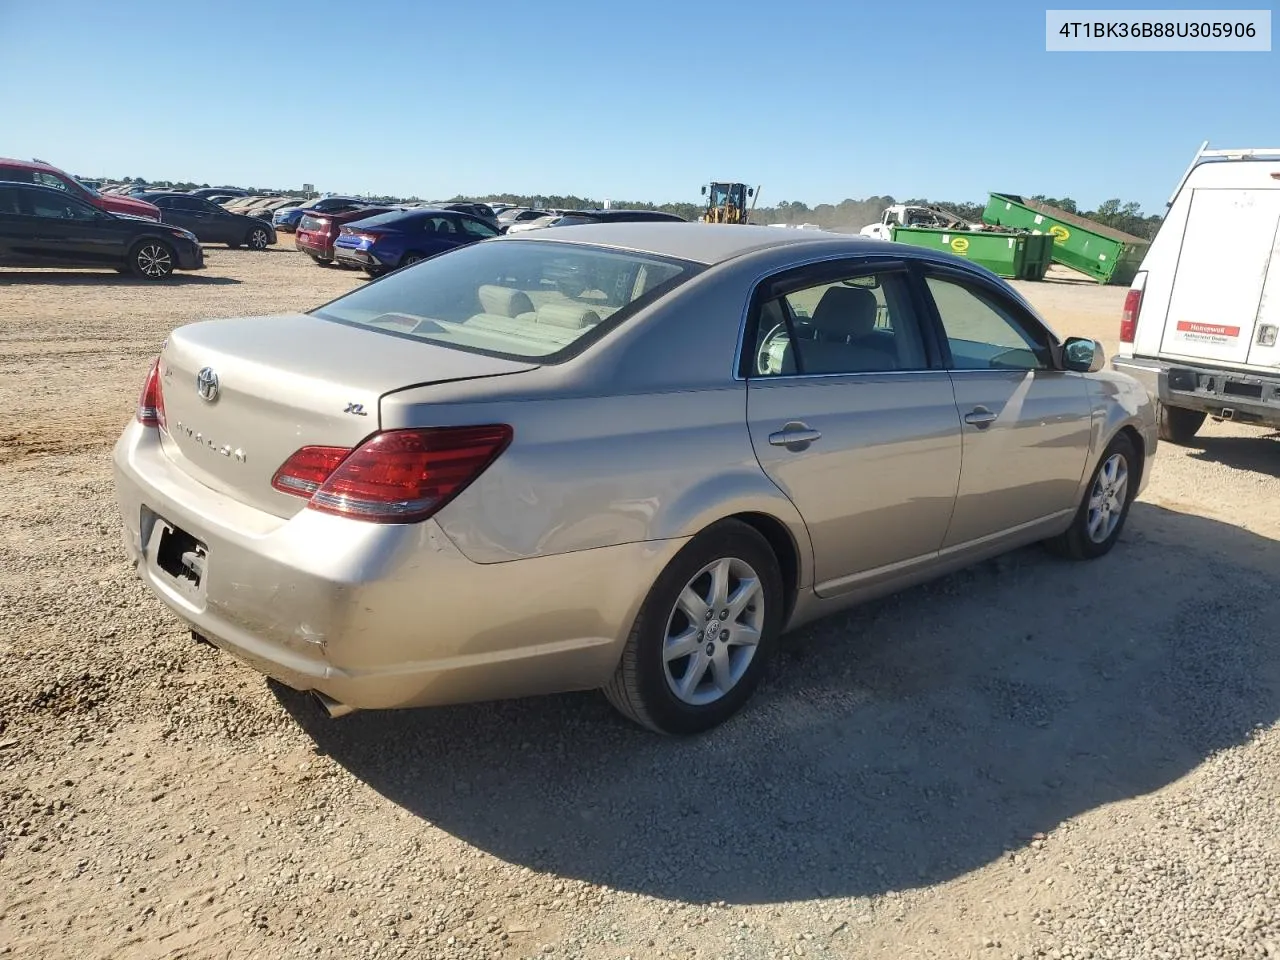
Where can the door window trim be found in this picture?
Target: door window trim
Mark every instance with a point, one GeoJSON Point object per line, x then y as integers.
{"type": "Point", "coordinates": [809, 273]}
{"type": "Point", "coordinates": [1021, 317]}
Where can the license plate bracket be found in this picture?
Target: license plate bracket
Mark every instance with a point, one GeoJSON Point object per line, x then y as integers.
{"type": "Point", "coordinates": [181, 556]}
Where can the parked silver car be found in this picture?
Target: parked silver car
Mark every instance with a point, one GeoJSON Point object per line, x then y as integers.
{"type": "Point", "coordinates": [626, 456]}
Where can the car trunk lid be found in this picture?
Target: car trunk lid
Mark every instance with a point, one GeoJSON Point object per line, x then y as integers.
{"type": "Point", "coordinates": [241, 396]}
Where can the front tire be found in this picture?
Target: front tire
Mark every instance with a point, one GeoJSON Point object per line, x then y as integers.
{"type": "Point", "coordinates": [151, 260]}
{"type": "Point", "coordinates": [258, 239]}
{"type": "Point", "coordinates": [1098, 523]}
{"type": "Point", "coordinates": [699, 645]}
{"type": "Point", "coordinates": [1177, 425]}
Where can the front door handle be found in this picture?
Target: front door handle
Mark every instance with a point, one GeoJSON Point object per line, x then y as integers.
{"type": "Point", "coordinates": [795, 436]}
{"type": "Point", "coordinates": [980, 417]}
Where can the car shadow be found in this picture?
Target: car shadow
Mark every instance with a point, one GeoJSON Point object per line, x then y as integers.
{"type": "Point", "coordinates": [905, 743]}
{"type": "Point", "coordinates": [1259, 453]}
{"type": "Point", "coordinates": [93, 278]}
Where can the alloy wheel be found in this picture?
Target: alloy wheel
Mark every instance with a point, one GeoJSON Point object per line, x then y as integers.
{"type": "Point", "coordinates": [1107, 499]}
{"type": "Point", "coordinates": [713, 631]}
{"type": "Point", "coordinates": [154, 260]}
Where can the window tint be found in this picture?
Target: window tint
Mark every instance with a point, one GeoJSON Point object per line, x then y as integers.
{"type": "Point", "coordinates": [440, 226]}
{"type": "Point", "coordinates": [477, 229]}
{"type": "Point", "coordinates": [16, 174]}
{"type": "Point", "coordinates": [9, 201]}
{"type": "Point", "coordinates": [858, 325]}
{"type": "Point", "coordinates": [985, 334]}
{"type": "Point", "coordinates": [48, 180]}
{"type": "Point", "coordinates": [53, 207]}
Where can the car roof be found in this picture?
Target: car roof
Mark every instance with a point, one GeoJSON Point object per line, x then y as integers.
{"type": "Point", "coordinates": [28, 164]}
{"type": "Point", "coordinates": [705, 243]}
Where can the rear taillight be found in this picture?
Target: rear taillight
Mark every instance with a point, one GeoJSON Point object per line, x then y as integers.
{"type": "Point", "coordinates": [151, 403]}
{"type": "Point", "coordinates": [1129, 317]}
{"type": "Point", "coordinates": [401, 476]}
{"type": "Point", "coordinates": [304, 472]}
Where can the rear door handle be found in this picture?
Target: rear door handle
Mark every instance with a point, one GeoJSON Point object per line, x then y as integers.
{"type": "Point", "coordinates": [980, 417]}
{"type": "Point", "coordinates": [794, 436]}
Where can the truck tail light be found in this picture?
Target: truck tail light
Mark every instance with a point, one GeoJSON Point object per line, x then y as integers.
{"type": "Point", "coordinates": [400, 476]}
{"type": "Point", "coordinates": [1129, 317]}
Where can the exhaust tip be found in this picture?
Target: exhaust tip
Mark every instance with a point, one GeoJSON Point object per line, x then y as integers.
{"type": "Point", "coordinates": [330, 706]}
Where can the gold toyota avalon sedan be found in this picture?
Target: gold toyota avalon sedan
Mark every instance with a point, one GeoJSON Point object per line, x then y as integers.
{"type": "Point", "coordinates": [622, 456]}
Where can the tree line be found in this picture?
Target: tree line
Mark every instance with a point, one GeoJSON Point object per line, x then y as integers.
{"type": "Point", "coordinates": [847, 216]}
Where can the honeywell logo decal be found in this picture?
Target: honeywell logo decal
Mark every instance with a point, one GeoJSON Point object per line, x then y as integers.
{"type": "Point", "coordinates": [1207, 332]}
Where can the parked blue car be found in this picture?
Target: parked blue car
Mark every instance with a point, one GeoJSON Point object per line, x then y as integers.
{"type": "Point", "coordinates": [396, 239]}
{"type": "Point", "coordinates": [287, 219]}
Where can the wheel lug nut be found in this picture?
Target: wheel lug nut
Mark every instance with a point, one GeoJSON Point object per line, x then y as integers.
{"type": "Point", "coordinates": [707, 615]}
{"type": "Point", "coordinates": [724, 614]}
{"type": "Point", "coordinates": [724, 634]}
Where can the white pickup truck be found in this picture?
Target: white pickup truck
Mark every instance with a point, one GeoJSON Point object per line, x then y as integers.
{"type": "Point", "coordinates": [1201, 318]}
{"type": "Point", "coordinates": [904, 215]}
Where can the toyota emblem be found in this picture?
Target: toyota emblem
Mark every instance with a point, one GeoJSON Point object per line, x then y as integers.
{"type": "Point", "coordinates": [207, 385]}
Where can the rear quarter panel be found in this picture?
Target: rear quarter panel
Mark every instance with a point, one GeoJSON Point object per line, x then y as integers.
{"type": "Point", "coordinates": [642, 437]}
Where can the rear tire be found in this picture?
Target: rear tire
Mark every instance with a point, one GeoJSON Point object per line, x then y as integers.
{"type": "Point", "coordinates": [321, 263]}
{"type": "Point", "coordinates": [1098, 523]}
{"type": "Point", "coordinates": [1178, 425]}
{"type": "Point", "coordinates": [151, 260]}
{"type": "Point", "coordinates": [234, 246]}
{"type": "Point", "coordinates": [374, 272]}
{"type": "Point", "coordinates": [677, 675]}
{"type": "Point", "coordinates": [409, 259]}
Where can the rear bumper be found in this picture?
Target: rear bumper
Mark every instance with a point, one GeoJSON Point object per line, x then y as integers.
{"type": "Point", "coordinates": [312, 246]}
{"type": "Point", "coordinates": [356, 258]}
{"type": "Point", "coordinates": [1224, 394]}
{"type": "Point", "coordinates": [378, 615]}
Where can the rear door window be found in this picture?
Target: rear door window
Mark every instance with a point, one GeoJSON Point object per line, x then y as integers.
{"type": "Point", "coordinates": [865, 323]}
{"type": "Point", "coordinates": [16, 174]}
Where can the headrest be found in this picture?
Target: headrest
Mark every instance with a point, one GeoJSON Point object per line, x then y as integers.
{"type": "Point", "coordinates": [504, 301]}
{"type": "Point", "coordinates": [846, 312]}
{"type": "Point", "coordinates": [571, 316]}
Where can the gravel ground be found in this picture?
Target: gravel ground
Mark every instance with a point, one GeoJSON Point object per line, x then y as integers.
{"type": "Point", "coordinates": [1031, 758]}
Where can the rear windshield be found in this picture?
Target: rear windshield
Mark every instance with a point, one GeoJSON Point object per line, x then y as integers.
{"type": "Point", "coordinates": [523, 300]}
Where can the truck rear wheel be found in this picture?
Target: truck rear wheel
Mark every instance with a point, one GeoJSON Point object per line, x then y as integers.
{"type": "Point", "coordinates": [1178, 425]}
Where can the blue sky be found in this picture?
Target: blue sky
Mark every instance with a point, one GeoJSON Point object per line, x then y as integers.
{"type": "Point", "coordinates": [815, 101]}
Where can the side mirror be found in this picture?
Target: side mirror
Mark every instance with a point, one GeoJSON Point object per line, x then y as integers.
{"type": "Point", "coordinates": [751, 191]}
{"type": "Point", "coordinates": [1083, 355]}
{"type": "Point", "coordinates": [704, 189]}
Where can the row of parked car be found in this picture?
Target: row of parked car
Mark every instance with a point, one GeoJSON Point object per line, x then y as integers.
{"type": "Point", "coordinates": [150, 232]}
{"type": "Point", "coordinates": [379, 238]}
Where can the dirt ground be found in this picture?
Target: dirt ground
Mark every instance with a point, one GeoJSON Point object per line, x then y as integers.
{"type": "Point", "coordinates": [1029, 758]}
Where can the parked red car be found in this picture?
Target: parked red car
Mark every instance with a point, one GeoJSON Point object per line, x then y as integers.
{"type": "Point", "coordinates": [46, 175]}
{"type": "Point", "coordinates": [317, 231]}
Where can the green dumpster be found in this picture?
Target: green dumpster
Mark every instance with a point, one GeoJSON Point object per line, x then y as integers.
{"type": "Point", "coordinates": [1018, 256]}
{"type": "Point", "coordinates": [1103, 253]}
